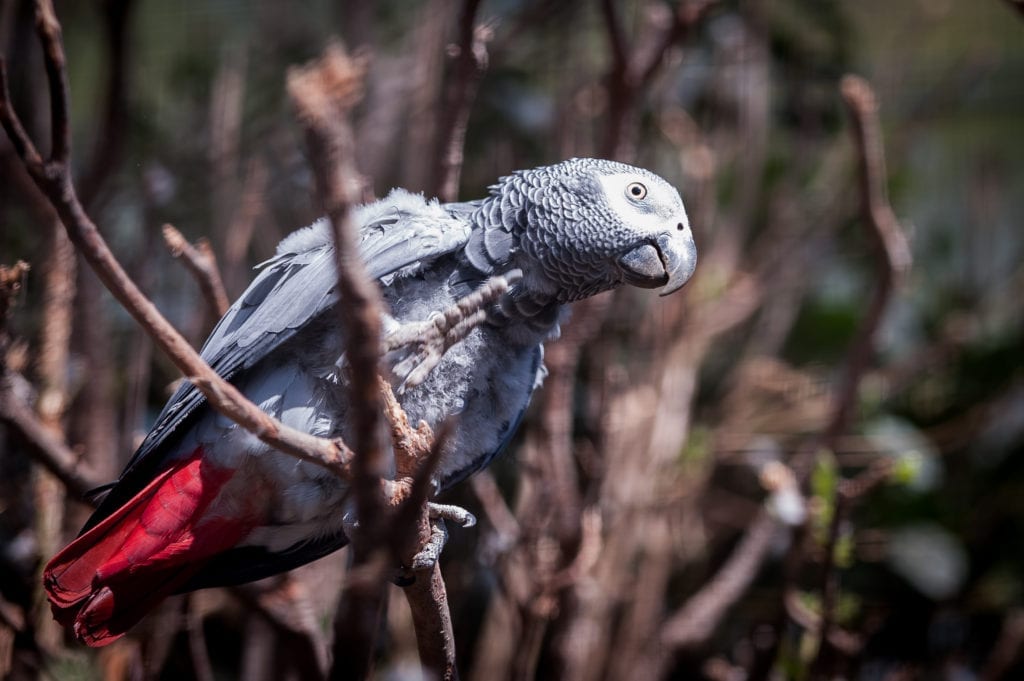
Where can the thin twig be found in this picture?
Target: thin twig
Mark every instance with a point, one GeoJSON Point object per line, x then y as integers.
{"type": "Point", "coordinates": [495, 508]}
{"type": "Point", "coordinates": [471, 63]}
{"type": "Point", "coordinates": [45, 443]}
{"type": "Point", "coordinates": [280, 606]}
{"type": "Point", "coordinates": [243, 222]}
{"type": "Point", "coordinates": [893, 258]}
{"type": "Point", "coordinates": [201, 261]}
{"type": "Point", "coordinates": [47, 448]}
{"type": "Point", "coordinates": [850, 644]}
{"type": "Point", "coordinates": [225, 132]}
{"type": "Point", "coordinates": [53, 176]}
{"type": "Point", "coordinates": [109, 140]}
{"type": "Point", "coordinates": [698, 618]}
{"type": "Point", "coordinates": [201, 666]}
{"type": "Point", "coordinates": [616, 36]}
{"type": "Point", "coordinates": [49, 32]}
{"type": "Point", "coordinates": [686, 16]}
{"type": "Point", "coordinates": [893, 252]}
{"type": "Point", "coordinates": [632, 68]}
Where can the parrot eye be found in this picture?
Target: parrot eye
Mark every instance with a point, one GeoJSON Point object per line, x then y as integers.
{"type": "Point", "coordinates": [636, 191]}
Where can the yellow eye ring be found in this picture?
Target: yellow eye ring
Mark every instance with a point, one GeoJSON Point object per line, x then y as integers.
{"type": "Point", "coordinates": [636, 191]}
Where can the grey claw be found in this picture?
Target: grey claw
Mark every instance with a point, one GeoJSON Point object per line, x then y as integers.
{"type": "Point", "coordinates": [456, 514]}
{"type": "Point", "coordinates": [430, 339]}
{"type": "Point", "coordinates": [428, 556]}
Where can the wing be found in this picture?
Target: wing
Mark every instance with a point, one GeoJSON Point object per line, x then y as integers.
{"type": "Point", "coordinates": [299, 284]}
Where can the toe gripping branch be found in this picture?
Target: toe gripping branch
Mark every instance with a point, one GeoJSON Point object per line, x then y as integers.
{"type": "Point", "coordinates": [430, 553]}
{"type": "Point", "coordinates": [428, 340]}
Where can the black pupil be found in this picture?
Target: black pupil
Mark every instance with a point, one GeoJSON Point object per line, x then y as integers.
{"type": "Point", "coordinates": [637, 190]}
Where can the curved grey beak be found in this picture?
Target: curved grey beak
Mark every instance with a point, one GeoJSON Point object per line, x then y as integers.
{"type": "Point", "coordinates": [669, 262]}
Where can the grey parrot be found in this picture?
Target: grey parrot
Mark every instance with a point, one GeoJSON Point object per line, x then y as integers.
{"type": "Point", "coordinates": [204, 503]}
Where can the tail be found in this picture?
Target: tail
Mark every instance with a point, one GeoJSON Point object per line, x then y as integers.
{"type": "Point", "coordinates": [106, 580]}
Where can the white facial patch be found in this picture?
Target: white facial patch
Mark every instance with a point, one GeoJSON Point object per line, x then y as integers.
{"type": "Point", "coordinates": [660, 198]}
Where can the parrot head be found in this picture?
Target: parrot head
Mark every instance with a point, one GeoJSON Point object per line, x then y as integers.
{"type": "Point", "coordinates": [584, 226]}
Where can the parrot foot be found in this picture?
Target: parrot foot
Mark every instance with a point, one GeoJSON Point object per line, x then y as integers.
{"type": "Point", "coordinates": [429, 340]}
{"type": "Point", "coordinates": [456, 514]}
{"type": "Point", "coordinates": [431, 551]}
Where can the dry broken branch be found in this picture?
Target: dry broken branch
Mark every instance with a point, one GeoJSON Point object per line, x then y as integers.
{"type": "Point", "coordinates": [202, 263]}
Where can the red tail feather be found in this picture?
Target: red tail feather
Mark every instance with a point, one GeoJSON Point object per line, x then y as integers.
{"type": "Point", "coordinates": [109, 578]}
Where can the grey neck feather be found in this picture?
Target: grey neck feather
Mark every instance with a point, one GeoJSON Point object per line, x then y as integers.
{"type": "Point", "coordinates": [501, 241]}
{"type": "Point", "coordinates": [549, 223]}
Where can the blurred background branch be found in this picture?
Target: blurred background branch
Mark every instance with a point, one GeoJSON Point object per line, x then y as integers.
{"type": "Point", "coordinates": [807, 461]}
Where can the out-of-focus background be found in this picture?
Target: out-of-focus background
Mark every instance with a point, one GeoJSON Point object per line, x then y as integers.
{"type": "Point", "coordinates": [685, 499]}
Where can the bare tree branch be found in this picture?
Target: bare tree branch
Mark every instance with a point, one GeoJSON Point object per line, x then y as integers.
{"type": "Point", "coordinates": [698, 618]}
{"type": "Point", "coordinates": [686, 16]}
{"type": "Point", "coordinates": [201, 261]}
{"type": "Point", "coordinates": [45, 442]}
{"type": "Point", "coordinates": [426, 595]}
{"type": "Point", "coordinates": [884, 230]}
{"type": "Point", "coordinates": [53, 176]}
{"type": "Point", "coordinates": [243, 223]}
{"type": "Point", "coordinates": [616, 35]}
{"type": "Point", "coordinates": [632, 69]}
{"type": "Point", "coordinates": [323, 92]}
{"type": "Point", "coordinates": [109, 139]}
{"type": "Point", "coordinates": [471, 63]}
{"type": "Point", "coordinates": [201, 666]}
{"type": "Point", "coordinates": [46, 447]}
{"type": "Point", "coordinates": [497, 511]}
{"type": "Point", "coordinates": [280, 606]}
{"type": "Point", "coordinates": [893, 255]}
{"type": "Point", "coordinates": [49, 32]}
{"type": "Point", "coordinates": [51, 405]}
{"type": "Point", "coordinates": [435, 639]}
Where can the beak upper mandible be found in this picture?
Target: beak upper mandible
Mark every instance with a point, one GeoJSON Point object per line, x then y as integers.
{"type": "Point", "coordinates": [679, 258]}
